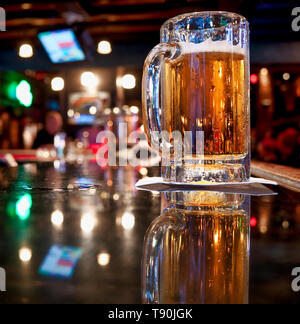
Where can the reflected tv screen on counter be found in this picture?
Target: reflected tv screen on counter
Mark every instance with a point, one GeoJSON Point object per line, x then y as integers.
{"type": "Point", "coordinates": [61, 46]}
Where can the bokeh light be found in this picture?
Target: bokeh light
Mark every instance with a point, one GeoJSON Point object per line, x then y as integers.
{"type": "Point", "coordinates": [25, 254]}
{"type": "Point", "coordinates": [57, 84]}
{"type": "Point", "coordinates": [104, 47]}
{"type": "Point", "coordinates": [128, 81]}
{"type": "Point", "coordinates": [103, 259]}
{"type": "Point", "coordinates": [89, 79]}
{"type": "Point", "coordinates": [26, 51]}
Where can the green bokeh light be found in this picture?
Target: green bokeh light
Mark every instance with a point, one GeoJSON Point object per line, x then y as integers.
{"type": "Point", "coordinates": [23, 93]}
{"type": "Point", "coordinates": [23, 207]}
{"type": "Point", "coordinates": [11, 90]}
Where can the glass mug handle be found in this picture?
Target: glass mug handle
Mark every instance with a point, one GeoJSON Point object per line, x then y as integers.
{"type": "Point", "coordinates": [151, 87]}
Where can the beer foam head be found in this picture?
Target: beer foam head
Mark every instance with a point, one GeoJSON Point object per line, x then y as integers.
{"type": "Point", "coordinates": [211, 46]}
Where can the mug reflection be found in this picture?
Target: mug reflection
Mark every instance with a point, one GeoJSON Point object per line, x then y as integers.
{"type": "Point", "coordinates": [197, 251]}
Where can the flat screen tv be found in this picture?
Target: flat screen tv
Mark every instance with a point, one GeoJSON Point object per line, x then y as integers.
{"type": "Point", "coordinates": [61, 46]}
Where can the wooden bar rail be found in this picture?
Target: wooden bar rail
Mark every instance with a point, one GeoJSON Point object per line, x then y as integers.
{"type": "Point", "coordinates": [287, 177]}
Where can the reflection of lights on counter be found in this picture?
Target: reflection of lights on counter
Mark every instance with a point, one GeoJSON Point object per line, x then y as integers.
{"type": "Point", "coordinates": [87, 223]}
{"type": "Point", "coordinates": [23, 207]}
{"type": "Point", "coordinates": [25, 254]}
{"type": "Point", "coordinates": [103, 259]}
{"type": "Point", "coordinates": [30, 168]}
{"type": "Point", "coordinates": [57, 218]}
{"type": "Point", "coordinates": [128, 221]}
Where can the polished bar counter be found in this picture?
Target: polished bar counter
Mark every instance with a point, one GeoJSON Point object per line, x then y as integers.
{"type": "Point", "coordinates": [104, 219]}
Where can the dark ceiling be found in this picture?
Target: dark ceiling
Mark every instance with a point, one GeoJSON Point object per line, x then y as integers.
{"type": "Point", "coordinates": [138, 20]}
{"type": "Point", "coordinates": [131, 23]}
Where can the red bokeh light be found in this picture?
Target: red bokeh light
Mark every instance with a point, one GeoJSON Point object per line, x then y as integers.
{"type": "Point", "coordinates": [253, 222]}
{"type": "Point", "coordinates": [253, 78]}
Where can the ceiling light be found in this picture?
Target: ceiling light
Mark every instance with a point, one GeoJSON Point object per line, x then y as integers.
{"type": "Point", "coordinates": [25, 51]}
{"type": "Point", "coordinates": [57, 84]}
{"type": "Point", "coordinates": [103, 259]}
{"type": "Point", "coordinates": [128, 81]}
{"type": "Point", "coordinates": [89, 79]}
{"type": "Point", "coordinates": [104, 47]}
{"type": "Point", "coordinates": [25, 254]}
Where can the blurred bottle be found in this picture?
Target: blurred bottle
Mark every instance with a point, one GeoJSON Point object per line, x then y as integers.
{"type": "Point", "coordinates": [197, 251]}
{"type": "Point", "coordinates": [60, 144]}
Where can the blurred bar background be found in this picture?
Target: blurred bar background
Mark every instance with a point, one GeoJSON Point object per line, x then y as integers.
{"type": "Point", "coordinates": [104, 86]}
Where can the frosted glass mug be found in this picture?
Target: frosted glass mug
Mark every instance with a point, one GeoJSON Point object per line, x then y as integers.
{"type": "Point", "coordinates": [196, 98]}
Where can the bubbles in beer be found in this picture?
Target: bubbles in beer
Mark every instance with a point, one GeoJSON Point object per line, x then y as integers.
{"type": "Point", "coordinates": [210, 86]}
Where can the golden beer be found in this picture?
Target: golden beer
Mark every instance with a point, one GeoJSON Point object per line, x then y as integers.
{"type": "Point", "coordinates": [199, 256]}
{"type": "Point", "coordinates": [208, 92]}
{"type": "Point", "coordinates": [208, 262]}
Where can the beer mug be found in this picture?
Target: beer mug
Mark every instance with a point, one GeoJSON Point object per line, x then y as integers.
{"type": "Point", "coordinates": [196, 98]}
